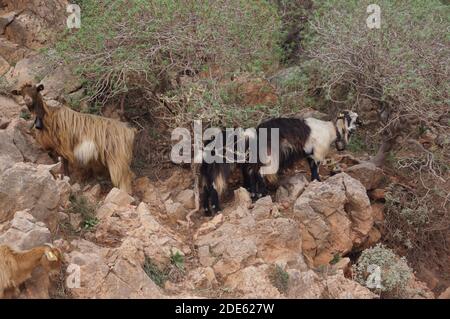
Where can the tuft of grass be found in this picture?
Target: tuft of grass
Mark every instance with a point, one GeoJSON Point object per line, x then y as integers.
{"type": "Point", "coordinates": [80, 205]}
{"type": "Point", "coordinates": [336, 258]}
{"type": "Point", "coordinates": [177, 260]}
{"type": "Point", "coordinates": [356, 144]}
{"type": "Point", "coordinates": [280, 278]}
{"type": "Point", "coordinates": [157, 275]}
{"type": "Point", "coordinates": [90, 223]}
{"type": "Point", "coordinates": [25, 115]}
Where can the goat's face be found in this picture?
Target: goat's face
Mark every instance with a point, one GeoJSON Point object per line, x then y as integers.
{"type": "Point", "coordinates": [346, 125]}
{"type": "Point", "coordinates": [52, 261]}
{"type": "Point", "coordinates": [31, 96]}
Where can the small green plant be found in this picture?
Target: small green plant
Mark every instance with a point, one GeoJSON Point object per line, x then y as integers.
{"type": "Point", "coordinates": [280, 278]}
{"type": "Point", "coordinates": [177, 259]}
{"type": "Point", "coordinates": [90, 223]}
{"type": "Point", "coordinates": [157, 275]}
{"type": "Point", "coordinates": [335, 259]}
{"type": "Point", "coordinates": [25, 115]}
{"type": "Point", "coordinates": [381, 270]}
{"type": "Point", "coordinates": [356, 144]}
{"type": "Point", "coordinates": [80, 205]}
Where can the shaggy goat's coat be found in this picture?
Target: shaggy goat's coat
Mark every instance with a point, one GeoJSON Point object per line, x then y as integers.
{"type": "Point", "coordinates": [83, 140]}
{"type": "Point", "coordinates": [16, 267]}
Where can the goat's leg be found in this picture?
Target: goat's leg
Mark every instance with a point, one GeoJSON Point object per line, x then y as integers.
{"type": "Point", "coordinates": [65, 163]}
{"type": "Point", "coordinates": [205, 200]}
{"type": "Point", "coordinates": [215, 205]}
{"type": "Point", "coordinates": [253, 184]}
{"type": "Point", "coordinates": [120, 176]}
{"type": "Point", "coordinates": [260, 185]}
{"type": "Point", "coordinates": [247, 177]}
{"type": "Point", "coordinates": [314, 166]}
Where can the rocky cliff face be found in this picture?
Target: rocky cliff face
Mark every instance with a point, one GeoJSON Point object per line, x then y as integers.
{"type": "Point", "coordinates": [291, 245]}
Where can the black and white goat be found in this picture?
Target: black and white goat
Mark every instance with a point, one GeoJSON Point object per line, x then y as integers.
{"type": "Point", "coordinates": [308, 138]}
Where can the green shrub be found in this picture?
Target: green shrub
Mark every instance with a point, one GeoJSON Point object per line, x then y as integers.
{"type": "Point", "coordinates": [144, 44]}
{"type": "Point", "coordinates": [403, 67]}
{"type": "Point", "coordinates": [405, 205]}
{"type": "Point", "coordinates": [394, 271]}
{"type": "Point", "coordinates": [280, 278]}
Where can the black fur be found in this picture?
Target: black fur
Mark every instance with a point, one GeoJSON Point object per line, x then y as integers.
{"type": "Point", "coordinates": [292, 132]}
{"type": "Point", "coordinates": [211, 173]}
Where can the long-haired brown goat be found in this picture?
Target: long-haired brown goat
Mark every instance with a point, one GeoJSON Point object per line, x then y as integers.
{"type": "Point", "coordinates": [16, 267]}
{"type": "Point", "coordinates": [83, 140]}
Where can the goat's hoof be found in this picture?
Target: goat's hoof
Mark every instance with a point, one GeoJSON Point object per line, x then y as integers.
{"type": "Point", "coordinates": [207, 212]}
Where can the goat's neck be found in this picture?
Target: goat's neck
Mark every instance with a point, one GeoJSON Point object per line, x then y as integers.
{"type": "Point", "coordinates": [333, 132]}
{"type": "Point", "coordinates": [28, 260]}
{"type": "Point", "coordinates": [39, 103]}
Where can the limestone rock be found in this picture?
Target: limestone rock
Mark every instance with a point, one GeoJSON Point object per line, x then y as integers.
{"type": "Point", "coordinates": [291, 188]}
{"type": "Point", "coordinates": [25, 232]}
{"type": "Point", "coordinates": [248, 237]}
{"type": "Point", "coordinates": [252, 282]}
{"type": "Point", "coordinates": [29, 186]}
{"type": "Point", "coordinates": [335, 215]}
{"type": "Point", "coordinates": [367, 173]}
{"type": "Point", "coordinates": [118, 197]}
{"type": "Point", "coordinates": [186, 198]}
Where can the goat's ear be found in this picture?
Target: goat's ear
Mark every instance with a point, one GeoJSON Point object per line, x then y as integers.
{"type": "Point", "coordinates": [50, 256]}
{"type": "Point", "coordinates": [40, 87]}
{"type": "Point", "coordinates": [15, 92]}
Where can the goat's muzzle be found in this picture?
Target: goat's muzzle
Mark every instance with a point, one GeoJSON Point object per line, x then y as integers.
{"type": "Point", "coordinates": [340, 145]}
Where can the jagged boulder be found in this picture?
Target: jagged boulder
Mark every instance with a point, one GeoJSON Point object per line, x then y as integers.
{"type": "Point", "coordinates": [28, 70]}
{"type": "Point", "coordinates": [291, 188]}
{"type": "Point", "coordinates": [4, 66]}
{"type": "Point", "coordinates": [248, 237]}
{"type": "Point", "coordinates": [54, 11]}
{"type": "Point", "coordinates": [18, 131]}
{"type": "Point", "coordinates": [33, 187]}
{"type": "Point", "coordinates": [367, 173]}
{"type": "Point", "coordinates": [335, 216]}
{"type": "Point", "coordinates": [309, 285]}
{"type": "Point", "coordinates": [12, 52]}
{"type": "Point", "coordinates": [24, 232]}
{"type": "Point", "coordinates": [9, 154]}
{"type": "Point", "coordinates": [252, 282]}
{"type": "Point", "coordinates": [9, 108]}
{"type": "Point", "coordinates": [111, 272]}
{"type": "Point", "coordinates": [124, 236]}
{"type": "Point", "coordinates": [27, 29]}
{"type": "Point", "coordinates": [60, 82]}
